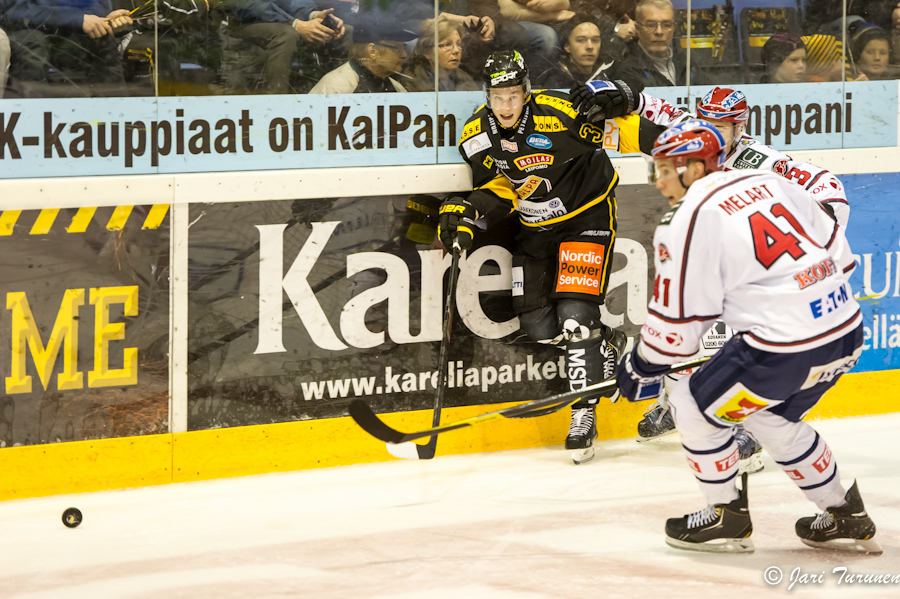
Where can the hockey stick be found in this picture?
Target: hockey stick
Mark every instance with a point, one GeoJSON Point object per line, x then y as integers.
{"type": "Point", "coordinates": [409, 450]}
{"type": "Point", "coordinates": [363, 415]}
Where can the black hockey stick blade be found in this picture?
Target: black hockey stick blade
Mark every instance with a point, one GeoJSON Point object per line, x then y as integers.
{"type": "Point", "coordinates": [363, 415]}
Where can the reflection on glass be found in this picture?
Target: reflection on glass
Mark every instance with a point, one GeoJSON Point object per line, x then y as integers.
{"type": "Point", "coordinates": [419, 75]}
{"type": "Point", "coordinates": [74, 49]}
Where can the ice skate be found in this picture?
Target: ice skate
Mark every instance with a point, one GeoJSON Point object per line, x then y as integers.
{"type": "Point", "coordinates": [750, 451]}
{"type": "Point", "coordinates": [657, 422]}
{"type": "Point", "coordinates": [846, 528]}
{"type": "Point", "coordinates": [716, 529]}
{"type": "Point", "coordinates": [582, 432]}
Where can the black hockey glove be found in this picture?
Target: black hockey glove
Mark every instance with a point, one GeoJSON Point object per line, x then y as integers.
{"type": "Point", "coordinates": [457, 221]}
{"type": "Point", "coordinates": [638, 379]}
{"type": "Point", "coordinates": [604, 99]}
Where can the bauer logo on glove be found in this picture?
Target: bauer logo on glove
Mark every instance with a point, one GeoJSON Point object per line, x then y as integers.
{"type": "Point", "coordinates": [457, 221]}
{"type": "Point", "coordinates": [638, 379]}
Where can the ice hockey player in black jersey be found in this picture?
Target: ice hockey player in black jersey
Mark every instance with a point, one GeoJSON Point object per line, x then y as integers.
{"type": "Point", "coordinates": [536, 153]}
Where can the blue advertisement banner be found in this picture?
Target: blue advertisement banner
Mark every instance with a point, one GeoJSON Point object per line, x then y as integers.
{"type": "Point", "coordinates": [117, 136]}
{"type": "Point", "coordinates": [874, 235]}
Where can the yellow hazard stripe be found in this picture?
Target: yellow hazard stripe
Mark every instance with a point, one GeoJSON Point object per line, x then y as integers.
{"type": "Point", "coordinates": [81, 220]}
{"type": "Point", "coordinates": [119, 217]}
{"type": "Point", "coordinates": [155, 217]}
{"type": "Point", "coordinates": [8, 220]}
{"type": "Point", "coordinates": [44, 221]}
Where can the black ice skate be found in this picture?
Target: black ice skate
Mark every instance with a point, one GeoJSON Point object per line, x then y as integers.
{"type": "Point", "coordinates": [845, 528]}
{"type": "Point", "coordinates": [717, 529]}
{"type": "Point", "coordinates": [582, 432]}
{"type": "Point", "coordinates": [657, 422]}
{"type": "Point", "coordinates": [750, 451]}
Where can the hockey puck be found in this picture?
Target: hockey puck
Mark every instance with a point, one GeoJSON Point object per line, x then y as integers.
{"type": "Point", "coordinates": [72, 517]}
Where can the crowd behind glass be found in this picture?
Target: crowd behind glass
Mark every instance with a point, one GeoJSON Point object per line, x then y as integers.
{"type": "Point", "coordinates": [97, 48]}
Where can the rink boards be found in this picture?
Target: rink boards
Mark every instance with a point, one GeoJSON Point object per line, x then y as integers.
{"type": "Point", "coordinates": [160, 342]}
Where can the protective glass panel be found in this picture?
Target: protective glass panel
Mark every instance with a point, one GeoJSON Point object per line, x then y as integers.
{"type": "Point", "coordinates": [77, 50]}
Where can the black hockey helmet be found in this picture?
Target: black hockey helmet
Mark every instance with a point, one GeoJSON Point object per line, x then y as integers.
{"type": "Point", "coordinates": [506, 69]}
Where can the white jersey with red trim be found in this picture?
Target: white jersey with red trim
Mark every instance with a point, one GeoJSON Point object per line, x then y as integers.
{"type": "Point", "coordinates": [750, 248]}
{"type": "Point", "coordinates": [753, 154]}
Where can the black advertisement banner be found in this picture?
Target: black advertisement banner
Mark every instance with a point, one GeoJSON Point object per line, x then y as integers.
{"type": "Point", "coordinates": [86, 325]}
{"type": "Point", "coordinates": [298, 307]}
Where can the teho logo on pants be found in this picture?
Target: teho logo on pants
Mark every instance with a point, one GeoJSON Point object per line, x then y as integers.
{"type": "Point", "coordinates": [580, 267]}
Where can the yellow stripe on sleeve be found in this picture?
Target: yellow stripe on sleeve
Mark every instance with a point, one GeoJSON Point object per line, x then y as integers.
{"type": "Point", "coordinates": [155, 217]}
{"type": "Point", "coordinates": [8, 220]}
{"type": "Point", "coordinates": [44, 221]}
{"type": "Point", "coordinates": [81, 220]}
{"type": "Point", "coordinates": [119, 217]}
{"type": "Point", "coordinates": [629, 133]}
{"type": "Point", "coordinates": [501, 187]}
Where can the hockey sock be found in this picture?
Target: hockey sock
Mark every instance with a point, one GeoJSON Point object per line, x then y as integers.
{"type": "Point", "coordinates": [584, 363]}
{"type": "Point", "coordinates": [802, 454]}
{"type": "Point", "coordinates": [711, 452]}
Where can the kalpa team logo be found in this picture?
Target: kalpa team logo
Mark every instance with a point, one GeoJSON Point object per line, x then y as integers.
{"type": "Point", "coordinates": [533, 161]}
{"type": "Point", "coordinates": [531, 185]}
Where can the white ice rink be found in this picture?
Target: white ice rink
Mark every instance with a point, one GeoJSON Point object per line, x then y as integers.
{"type": "Point", "coordinates": [524, 524]}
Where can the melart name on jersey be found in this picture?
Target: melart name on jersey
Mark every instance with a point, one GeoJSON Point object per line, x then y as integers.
{"type": "Point", "coordinates": [760, 253]}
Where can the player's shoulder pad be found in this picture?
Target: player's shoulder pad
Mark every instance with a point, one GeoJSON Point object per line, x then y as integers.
{"type": "Point", "coordinates": [751, 153]}
{"type": "Point", "coordinates": [553, 103]}
{"type": "Point", "coordinates": [702, 196]}
{"type": "Point", "coordinates": [476, 124]}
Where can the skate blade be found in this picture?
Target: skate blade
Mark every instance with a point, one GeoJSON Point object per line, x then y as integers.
{"type": "Point", "coordinates": [641, 439]}
{"type": "Point", "coordinates": [848, 545]}
{"type": "Point", "coordinates": [717, 546]}
{"type": "Point", "coordinates": [751, 465]}
{"type": "Point", "coordinates": [583, 456]}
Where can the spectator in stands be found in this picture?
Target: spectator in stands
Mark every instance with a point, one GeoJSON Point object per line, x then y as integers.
{"type": "Point", "coordinates": [419, 76]}
{"type": "Point", "coordinates": [784, 57]}
{"type": "Point", "coordinates": [581, 59]}
{"type": "Point", "coordinates": [652, 59]}
{"type": "Point", "coordinates": [537, 17]}
{"type": "Point", "coordinates": [377, 53]}
{"type": "Point", "coordinates": [824, 60]}
{"type": "Point", "coordinates": [4, 61]}
{"type": "Point", "coordinates": [871, 49]}
{"type": "Point", "coordinates": [75, 40]}
{"type": "Point", "coordinates": [895, 35]}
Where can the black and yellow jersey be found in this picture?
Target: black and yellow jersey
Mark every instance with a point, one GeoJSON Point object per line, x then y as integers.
{"type": "Point", "coordinates": [552, 166]}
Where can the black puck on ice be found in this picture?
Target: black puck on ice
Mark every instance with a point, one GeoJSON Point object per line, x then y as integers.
{"type": "Point", "coordinates": [72, 517]}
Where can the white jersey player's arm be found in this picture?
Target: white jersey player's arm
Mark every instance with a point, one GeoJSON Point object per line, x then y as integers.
{"type": "Point", "coordinates": [824, 187]}
{"type": "Point", "coordinates": [686, 301]}
{"type": "Point", "coordinates": [824, 231]}
{"type": "Point", "coordinates": [659, 111]}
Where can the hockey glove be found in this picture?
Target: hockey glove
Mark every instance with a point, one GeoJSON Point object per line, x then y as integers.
{"type": "Point", "coordinates": [457, 221]}
{"type": "Point", "coordinates": [603, 99]}
{"type": "Point", "coordinates": [638, 379]}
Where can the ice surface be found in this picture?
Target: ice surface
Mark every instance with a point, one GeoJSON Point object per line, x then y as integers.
{"type": "Point", "coordinates": [524, 524]}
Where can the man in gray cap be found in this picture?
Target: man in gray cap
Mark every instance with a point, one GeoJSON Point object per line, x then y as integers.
{"type": "Point", "coordinates": [378, 51]}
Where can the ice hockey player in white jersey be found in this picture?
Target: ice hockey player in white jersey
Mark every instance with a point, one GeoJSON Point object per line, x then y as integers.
{"type": "Point", "coordinates": [728, 111]}
{"type": "Point", "coordinates": [751, 249]}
